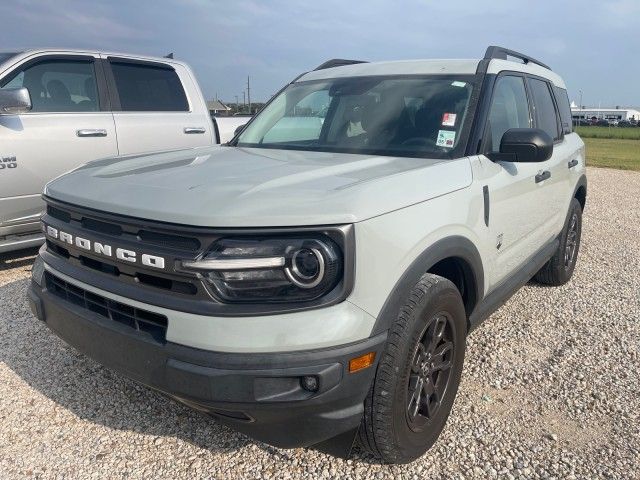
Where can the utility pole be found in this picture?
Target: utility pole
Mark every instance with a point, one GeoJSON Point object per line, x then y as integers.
{"type": "Point", "coordinates": [244, 100]}
{"type": "Point", "coordinates": [248, 94]}
{"type": "Point", "coordinates": [237, 104]}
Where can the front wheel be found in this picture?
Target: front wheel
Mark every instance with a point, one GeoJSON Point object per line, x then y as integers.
{"type": "Point", "coordinates": [559, 269]}
{"type": "Point", "coordinates": [418, 374]}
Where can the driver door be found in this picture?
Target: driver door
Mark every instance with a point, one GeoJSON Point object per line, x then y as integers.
{"type": "Point", "coordinates": [69, 124]}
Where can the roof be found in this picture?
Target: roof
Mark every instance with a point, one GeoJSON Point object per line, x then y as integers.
{"type": "Point", "coordinates": [216, 105]}
{"type": "Point", "coordinates": [430, 67]}
{"type": "Point", "coordinates": [425, 67]}
{"type": "Point", "coordinates": [75, 51]}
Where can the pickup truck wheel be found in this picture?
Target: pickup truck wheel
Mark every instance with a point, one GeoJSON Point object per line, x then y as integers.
{"type": "Point", "coordinates": [559, 269]}
{"type": "Point", "coordinates": [418, 374]}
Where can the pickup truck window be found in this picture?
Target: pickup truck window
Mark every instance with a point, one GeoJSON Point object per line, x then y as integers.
{"type": "Point", "coordinates": [509, 109]}
{"type": "Point", "coordinates": [58, 85]}
{"type": "Point", "coordinates": [147, 88]}
{"type": "Point", "coordinates": [400, 116]}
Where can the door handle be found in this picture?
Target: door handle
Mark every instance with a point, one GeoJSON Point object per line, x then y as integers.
{"type": "Point", "coordinates": [91, 132]}
{"type": "Point", "coordinates": [542, 176]}
{"type": "Point", "coordinates": [572, 163]}
{"type": "Point", "coordinates": [194, 130]}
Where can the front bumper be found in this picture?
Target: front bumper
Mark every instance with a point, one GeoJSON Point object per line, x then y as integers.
{"type": "Point", "coordinates": [259, 394]}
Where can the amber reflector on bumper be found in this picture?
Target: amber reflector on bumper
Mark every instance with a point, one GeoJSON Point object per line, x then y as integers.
{"type": "Point", "coordinates": [361, 362]}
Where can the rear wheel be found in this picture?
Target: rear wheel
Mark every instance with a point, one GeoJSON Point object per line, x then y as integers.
{"type": "Point", "coordinates": [418, 374]}
{"type": "Point", "coordinates": [559, 269]}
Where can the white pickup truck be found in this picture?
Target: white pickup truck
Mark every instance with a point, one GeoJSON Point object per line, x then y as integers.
{"type": "Point", "coordinates": [62, 108]}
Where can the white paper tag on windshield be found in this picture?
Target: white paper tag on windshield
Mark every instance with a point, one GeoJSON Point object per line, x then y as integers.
{"type": "Point", "coordinates": [448, 119]}
{"type": "Point", "coordinates": [458, 84]}
{"type": "Point", "coordinates": [446, 138]}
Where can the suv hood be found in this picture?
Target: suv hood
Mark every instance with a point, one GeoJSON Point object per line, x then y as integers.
{"type": "Point", "coordinates": [254, 187]}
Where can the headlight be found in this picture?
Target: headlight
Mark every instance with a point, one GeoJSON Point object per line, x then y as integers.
{"type": "Point", "coordinates": [271, 270]}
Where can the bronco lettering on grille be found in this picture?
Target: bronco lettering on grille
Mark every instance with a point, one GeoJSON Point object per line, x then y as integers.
{"type": "Point", "coordinates": [121, 254]}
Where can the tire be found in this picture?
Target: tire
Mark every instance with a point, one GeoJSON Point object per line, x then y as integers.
{"type": "Point", "coordinates": [559, 269]}
{"type": "Point", "coordinates": [390, 430]}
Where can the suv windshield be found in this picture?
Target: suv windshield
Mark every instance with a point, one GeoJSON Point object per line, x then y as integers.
{"type": "Point", "coordinates": [417, 116]}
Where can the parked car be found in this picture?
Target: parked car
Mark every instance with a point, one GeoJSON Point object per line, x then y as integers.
{"type": "Point", "coordinates": [625, 124]}
{"type": "Point", "coordinates": [602, 123]}
{"type": "Point", "coordinates": [320, 281]}
{"type": "Point", "coordinates": [62, 108]}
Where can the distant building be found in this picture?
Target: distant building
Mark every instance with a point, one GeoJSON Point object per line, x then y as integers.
{"type": "Point", "coordinates": [605, 113]}
{"type": "Point", "coordinates": [217, 108]}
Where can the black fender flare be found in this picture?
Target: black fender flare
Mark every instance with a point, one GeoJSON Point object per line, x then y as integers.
{"type": "Point", "coordinates": [453, 246]}
{"type": "Point", "coordinates": [582, 182]}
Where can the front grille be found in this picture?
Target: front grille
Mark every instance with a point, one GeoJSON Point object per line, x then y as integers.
{"type": "Point", "coordinates": [140, 320]}
{"type": "Point", "coordinates": [126, 230]}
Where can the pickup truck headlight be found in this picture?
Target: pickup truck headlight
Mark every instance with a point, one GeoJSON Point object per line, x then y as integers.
{"type": "Point", "coordinates": [271, 270]}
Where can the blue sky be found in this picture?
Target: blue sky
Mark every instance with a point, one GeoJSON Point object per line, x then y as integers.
{"type": "Point", "coordinates": [594, 45]}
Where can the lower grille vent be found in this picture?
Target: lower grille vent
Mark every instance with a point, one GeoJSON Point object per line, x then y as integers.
{"type": "Point", "coordinates": [141, 320]}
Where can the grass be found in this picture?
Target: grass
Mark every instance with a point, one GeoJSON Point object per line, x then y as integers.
{"type": "Point", "coordinates": [622, 154]}
{"type": "Point", "coordinates": [630, 133]}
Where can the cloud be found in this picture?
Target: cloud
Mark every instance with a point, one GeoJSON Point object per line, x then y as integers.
{"type": "Point", "coordinates": [71, 21]}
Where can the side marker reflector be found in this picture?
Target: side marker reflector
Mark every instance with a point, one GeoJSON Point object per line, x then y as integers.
{"type": "Point", "coordinates": [361, 362]}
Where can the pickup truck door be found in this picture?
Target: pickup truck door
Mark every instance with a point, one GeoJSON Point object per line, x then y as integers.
{"type": "Point", "coordinates": [515, 193]}
{"type": "Point", "coordinates": [156, 106]}
{"type": "Point", "coordinates": [68, 125]}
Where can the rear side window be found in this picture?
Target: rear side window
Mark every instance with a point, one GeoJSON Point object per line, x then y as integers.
{"type": "Point", "coordinates": [148, 88]}
{"type": "Point", "coordinates": [565, 109]}
{"type": "Point", "coordinates": [509, 109]}
{"type": "Point", "coordinates": [544, 109]}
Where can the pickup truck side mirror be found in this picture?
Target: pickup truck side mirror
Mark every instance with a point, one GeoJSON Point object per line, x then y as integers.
{"type": "Point", "coordinates": [524, 145]}
{"type": "Point", "coordinates": [14, 101]}
{"type": "Point", "coordinates": [238, 130]}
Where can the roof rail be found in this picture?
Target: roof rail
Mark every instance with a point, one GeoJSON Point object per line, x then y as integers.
{"type": "Point", "coordinates": [502, 54]}
{"type": "Point", "coordinates": [337, 62]}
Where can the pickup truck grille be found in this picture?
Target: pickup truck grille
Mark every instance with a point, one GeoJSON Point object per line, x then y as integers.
{"type": "Point", "coordinates": [141, 320]}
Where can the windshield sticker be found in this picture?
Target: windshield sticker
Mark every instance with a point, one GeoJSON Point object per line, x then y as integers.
{"type": "Point", "coordinates": [458, 84]}
{"type": "Point", "coordinates": [446, 138]}
{"type": "Point", "coordinates": [448, 120]}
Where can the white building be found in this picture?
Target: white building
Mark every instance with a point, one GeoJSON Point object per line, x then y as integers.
{"type": "Point", "coordinates": [605, 113]}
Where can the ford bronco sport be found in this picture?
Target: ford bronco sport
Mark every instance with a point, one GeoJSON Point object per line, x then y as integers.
{"type": "Point", "coordinates": [315, 280]}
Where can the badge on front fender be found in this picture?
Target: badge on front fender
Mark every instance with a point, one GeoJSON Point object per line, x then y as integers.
{"type": "Point", "coordinates": [8, 163]}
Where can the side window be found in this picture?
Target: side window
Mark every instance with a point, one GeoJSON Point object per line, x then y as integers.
{"type": "Point", "coordinates": [565, 109]}
{"type": "Point", "coordinates": [544, 109]}
{"type": "Point", "coordinates": [148, 88]}
{"type": "Point", "coordinates": [58, 85]}
{"type": "Point", "coordinates": [509, 109]}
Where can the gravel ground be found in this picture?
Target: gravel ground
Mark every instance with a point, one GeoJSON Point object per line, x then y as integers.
{"type": "Point", "coordinates": [550, 389]}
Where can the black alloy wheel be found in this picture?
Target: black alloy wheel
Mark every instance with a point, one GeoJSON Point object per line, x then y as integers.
{"type": "Point", "coordinates": [430, 371]}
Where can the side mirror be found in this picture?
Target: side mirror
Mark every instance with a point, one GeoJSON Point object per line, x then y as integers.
{"type": "Point", "coordinates": [525, 145]}
{"type": "Point", "coordinates": [238, 130]}
{"type": "Point", "coordinates": [14, 101]}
